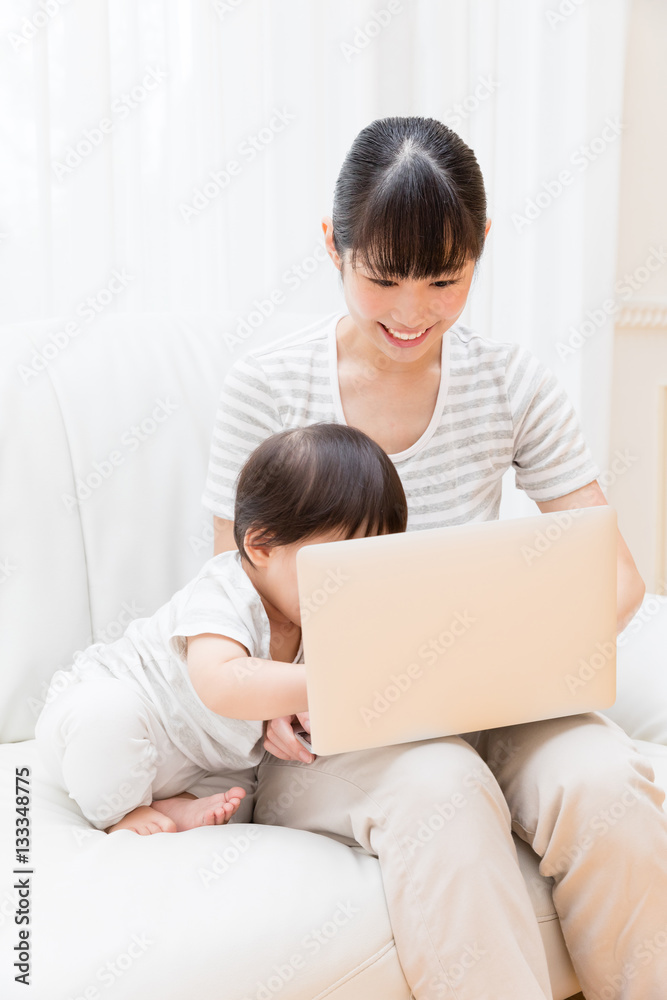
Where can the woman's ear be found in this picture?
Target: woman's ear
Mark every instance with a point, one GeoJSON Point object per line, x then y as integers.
{"type": "Point", "coordinates": [488, 226]}
{"type": "Point", "coordinates": [327, 229]}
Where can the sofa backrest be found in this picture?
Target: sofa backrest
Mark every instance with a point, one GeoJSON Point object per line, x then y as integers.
{"type": "Point", "coordinates": [104, 441]}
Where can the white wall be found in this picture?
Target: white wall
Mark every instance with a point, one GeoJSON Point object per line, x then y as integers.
{"type": "Point", "coordinates": [638, 436]}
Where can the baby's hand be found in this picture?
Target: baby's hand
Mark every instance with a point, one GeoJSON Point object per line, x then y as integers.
{"type": "Point", "coordinates": [281, 741]}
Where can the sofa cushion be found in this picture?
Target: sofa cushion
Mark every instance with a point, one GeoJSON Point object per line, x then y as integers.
{"type": "Point", "coordinates": [641, 684]}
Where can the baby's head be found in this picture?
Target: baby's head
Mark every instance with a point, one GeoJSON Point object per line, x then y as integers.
{"type": "Point", "coordinates": [311, 484]}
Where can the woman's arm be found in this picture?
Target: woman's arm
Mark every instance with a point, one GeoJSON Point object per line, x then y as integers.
{"type": "Point", "coordinates": [239, 686]}
{"type": "Point", "coordinates": [630, 586]}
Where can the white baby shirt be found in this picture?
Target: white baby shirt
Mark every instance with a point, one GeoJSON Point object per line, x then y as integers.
{"type": "Point", "coordinates": [151, 657]}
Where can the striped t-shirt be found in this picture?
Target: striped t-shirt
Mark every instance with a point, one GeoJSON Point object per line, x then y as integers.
{"type": "Point", "coordinates": [497, 406]}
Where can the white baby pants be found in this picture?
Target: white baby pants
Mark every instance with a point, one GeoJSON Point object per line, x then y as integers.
{"type": "Point", "coordinates": [101, 740]}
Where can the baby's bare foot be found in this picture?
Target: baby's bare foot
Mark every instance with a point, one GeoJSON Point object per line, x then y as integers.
{"type": "Point", "coordinates": [145, 820]}
{"type": "Point", "coordinates": [213, 810]}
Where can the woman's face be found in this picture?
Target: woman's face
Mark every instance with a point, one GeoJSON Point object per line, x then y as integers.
{"type": "Point", "coordinates": [381, 309]}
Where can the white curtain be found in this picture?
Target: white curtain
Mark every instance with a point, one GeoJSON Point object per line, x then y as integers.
{"type": "Point", "coordinates": [178, 155]}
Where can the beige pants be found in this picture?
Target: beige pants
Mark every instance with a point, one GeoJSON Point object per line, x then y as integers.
{"type": "Point", "coordinates": [439, 814]}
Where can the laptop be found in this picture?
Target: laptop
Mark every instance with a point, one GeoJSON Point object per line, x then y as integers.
{"type": "Point", "coordinates": [451, 630]}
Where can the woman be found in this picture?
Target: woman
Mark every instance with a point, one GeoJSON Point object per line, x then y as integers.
{"type": "Point", "coordinates": [454, 410]}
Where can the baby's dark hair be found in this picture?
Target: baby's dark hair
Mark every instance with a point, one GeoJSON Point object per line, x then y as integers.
{"type": "Point", "coordinates": [310, 480]}
{"type": "Point", "coordinates": [409, 201]}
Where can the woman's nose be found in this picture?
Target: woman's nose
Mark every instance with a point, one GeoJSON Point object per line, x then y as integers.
{"type": "Point", "coordinates": [410, 310]}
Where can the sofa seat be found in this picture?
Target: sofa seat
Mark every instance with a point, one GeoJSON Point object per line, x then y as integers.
{"type": "Point", "coordinates": [235, 912]}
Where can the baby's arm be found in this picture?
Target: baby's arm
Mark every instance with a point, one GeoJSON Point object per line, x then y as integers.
{"type": "Point", "coordinates": [239, 686]}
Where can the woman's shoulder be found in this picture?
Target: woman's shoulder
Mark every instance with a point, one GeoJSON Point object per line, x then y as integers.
{"type": "Point", "coordinates": [506, 363]}
{"type": "Point", "coordinates": [281, 364]}
{"type": "Point", "coordinates": [468, 344]}
{"type": "Point", "coordinates": [311, 339]}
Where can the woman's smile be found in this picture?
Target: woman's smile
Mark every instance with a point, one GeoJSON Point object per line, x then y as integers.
{"type": "Point", "coordinates": [405, 338]}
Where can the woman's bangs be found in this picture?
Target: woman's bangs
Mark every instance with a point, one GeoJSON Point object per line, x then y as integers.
{"type": "Point", "coordinates": [414, 228]}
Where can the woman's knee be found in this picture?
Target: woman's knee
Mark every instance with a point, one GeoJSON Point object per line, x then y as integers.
{"type": "Point", "coordinates": [584, 757]}
{"type": "Point", "coordinates": [611, 781]}
{"type": "Point", "coordinates": [585, 786]}
{"type": "Point", "coordinates": [454, 794]}
{"type": "Point", "coordinates": [441, 767]}
{"type": "Point", "coordinates": [434, 790]}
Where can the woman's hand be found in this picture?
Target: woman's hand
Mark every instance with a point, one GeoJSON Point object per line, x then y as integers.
{"type": "Point", "coordinates": [281, 741]}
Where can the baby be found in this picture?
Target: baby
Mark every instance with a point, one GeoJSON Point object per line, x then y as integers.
{"type": "Point", "coordinates": [178, 702]}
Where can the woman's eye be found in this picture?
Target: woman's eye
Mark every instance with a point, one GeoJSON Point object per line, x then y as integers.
{"type": "Point", "coordinates": [438, 284]}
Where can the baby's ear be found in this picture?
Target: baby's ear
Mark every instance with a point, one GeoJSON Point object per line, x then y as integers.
{"type": "Point", "coordinates": [257, 548]}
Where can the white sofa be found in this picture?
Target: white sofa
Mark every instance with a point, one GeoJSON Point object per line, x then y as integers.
{"type": "Point", "coordinates": [125, 406]}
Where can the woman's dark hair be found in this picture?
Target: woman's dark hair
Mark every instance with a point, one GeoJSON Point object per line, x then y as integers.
{"type": "Point", "coordinates": [308, 480]}
{"type": "Point", "coordinates": [409, 201]}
